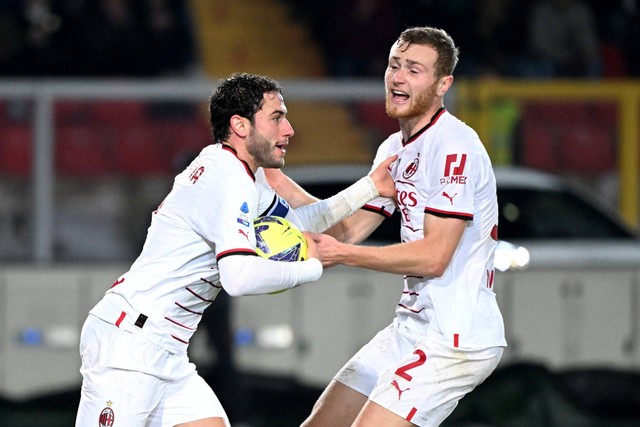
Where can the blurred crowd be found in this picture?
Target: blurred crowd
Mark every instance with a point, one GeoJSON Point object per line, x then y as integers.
{"type": "Point", "coordinates": [95, 38]}
{"type": "Point", "coordinates": [510, 38]}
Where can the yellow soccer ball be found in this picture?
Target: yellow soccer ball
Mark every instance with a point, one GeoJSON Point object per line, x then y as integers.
{"type": "Point", "coordinates": [278, 239]}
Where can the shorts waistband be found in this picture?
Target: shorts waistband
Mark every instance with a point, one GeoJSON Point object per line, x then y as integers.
{"type": "Point", "coordinates": [115, 309]}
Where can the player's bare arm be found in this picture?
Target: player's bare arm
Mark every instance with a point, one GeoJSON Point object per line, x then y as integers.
{"type": "Point", "coordinates": [297, 196]}
{"type": "Point", "coordinates": [428, 257]}
{"type": "Point", "coordinates": [382, 178]}
{"type": "Point", "coordinates": [356, 228]}
{"type": "Point", "coordinates": [288, 189]}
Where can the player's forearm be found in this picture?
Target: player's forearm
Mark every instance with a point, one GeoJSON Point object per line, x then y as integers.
{"type": "Point", "coordinates": [355, 228]}
{"type": "Point", "coordinates": [412, 258]}
{"type": "Point", "coordinates": [319, 216]}
{"type": "Point", "coordinates": [288, 189]}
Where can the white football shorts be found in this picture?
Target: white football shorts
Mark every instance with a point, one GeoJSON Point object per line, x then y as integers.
{"type": "Point", "coordinates": [418, 379]}
{"type": "Point", "coordinates": [113, 396]}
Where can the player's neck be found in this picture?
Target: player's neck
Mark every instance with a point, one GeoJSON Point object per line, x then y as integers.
{"type": "Point", "coordinates": [242, 155]}
{"type": "Point", "coordinates": [411, 126]}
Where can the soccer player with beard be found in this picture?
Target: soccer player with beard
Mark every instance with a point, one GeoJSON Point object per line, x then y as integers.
{"type": "Point", "coordinates": [135, 367]}
{"type": "Point", "coordinates": [448, 334]}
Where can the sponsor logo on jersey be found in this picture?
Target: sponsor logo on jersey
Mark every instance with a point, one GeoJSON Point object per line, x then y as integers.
{"type": "Point", "coordinates": [196, 174]}
{"type": "Point", "coordinates": [400, 390]}
{"type": "Point", "coordinates": [406, 198]}
{"type": "Point", "coordinates": [243, 218]}
{"type": "Point", "coordinates": [445, 194]}
{"type": "Point", "coordinates": [454, 169]}
{"type": "Point", "coordinates": [411, 168]}
{"type": "Point", "coordinates": [107, 416]}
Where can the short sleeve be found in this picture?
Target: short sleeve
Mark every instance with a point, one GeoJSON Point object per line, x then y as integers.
{"type": "Point", "coordinates": [451, 189]}
{"type": "Point", "coordinates": [224, 201]}
{"type": "Point", "coordinates": [382, 205]}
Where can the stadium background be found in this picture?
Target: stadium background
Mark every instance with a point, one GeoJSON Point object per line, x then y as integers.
{"type": "Point", "coordinates": [113, 157]}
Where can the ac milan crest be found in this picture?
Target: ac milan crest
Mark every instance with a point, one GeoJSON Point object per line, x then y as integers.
{"type": "Point", "coordinates": [107, 417]}
{"type": "Point", "coordinates": [411, 169]}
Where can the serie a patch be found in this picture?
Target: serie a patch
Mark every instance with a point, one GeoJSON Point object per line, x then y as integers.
{"type": "Point", "coordinates": [243, 217]}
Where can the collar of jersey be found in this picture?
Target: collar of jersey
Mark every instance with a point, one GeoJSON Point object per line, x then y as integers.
{"type": "Point", "coordinates": [245, 164]}
{"type": "Point", "coordinates": [415, 136]}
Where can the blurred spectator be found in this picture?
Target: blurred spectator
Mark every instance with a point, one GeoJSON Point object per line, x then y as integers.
{"type": "Point", "coordinates": [631, 40]}
{"type": "Point", "coordinates": [358, 29]}
{"type": "Point", "coordinates": [564, 39]}
{"type": "Point", "coordinates": [114, 39]}
{"type": "Point", "coordinates": [511, 38]}
{"type": "Point", "coordinates": [495, 44]}
{"type": "Point", "coordinates": [170, 36]}
{"type": "Point", "coordinates": [95, 38]}
{"type": "Point", "coordinates": [453, 16]}
{"type": "Point", "coordinates": [11, 34]}
{"type": "Point", "coordinates": [28, 30]}
{"type": "Point", "coordinates": [313, 15]}
{"type": "Point", "coordinates": [619, 23]}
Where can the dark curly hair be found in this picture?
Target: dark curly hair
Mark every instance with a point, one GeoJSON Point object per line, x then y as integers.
{"type": "Point", "coordinates": [241, 94]}
{"type": "Point", "coordinates": [438, 39]}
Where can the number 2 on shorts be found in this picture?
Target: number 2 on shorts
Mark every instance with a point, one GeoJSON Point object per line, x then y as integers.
{"type": "Point", "coordinates": [402, 370]}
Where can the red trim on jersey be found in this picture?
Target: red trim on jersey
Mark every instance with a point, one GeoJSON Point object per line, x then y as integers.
{"type": "Point", "coordinates": [435, 118]}
{"type": "Point", "coordinates": [456, 340]}
{"type": "Point", "coordinates": [412, 413]}
{"type": "Point", "coordinates": [121, 318]}
{"type": "Point", "coordinates": [210, 283]}
{"type": "Point", "coordinates": [199, 313]}
{"type": "Point", "coordinates": [238, 251]}
{"type": "Point", "coordinates": [198, 296]}
{"type": "Point", "coordinates": [179, 339]}
{"type": "Point", "coordinates": [411, 309]}
{"type": "Point", "coordinates": [411, 228]}
{"type": "Point", "coordinates": [245, 164]}
{"type": "Point", "coordinates": [378, 209]}
{"type": "Point", "coordinates": [448, 214]}
{"type": "Point", "coordinates": [399, 181]}
{"type": "Point", "coordinates": [117, 282]}
{"type": "Point", "coordinates": [179, 324]}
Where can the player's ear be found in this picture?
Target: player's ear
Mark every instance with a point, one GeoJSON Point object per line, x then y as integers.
{"type": "Point", "coordinates": [239, 125]}
{"type": "Point", "coordinates": [444, 84]}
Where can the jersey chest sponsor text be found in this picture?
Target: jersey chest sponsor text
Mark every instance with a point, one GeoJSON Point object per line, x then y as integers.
{"type": "Point", "coordinates": [409, 202]}
{"type": "Point", "coordinates": [407, 178]}
{"type": "Point", "coordinates": [454, 169]}
{"type": "Point", "coordinates": [406, 198]}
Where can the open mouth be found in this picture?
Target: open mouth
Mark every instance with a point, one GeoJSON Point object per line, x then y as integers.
{"type": "Point", "coordinates": [399, 96]}
{"type": "Point", "coordinates": [282, 147]}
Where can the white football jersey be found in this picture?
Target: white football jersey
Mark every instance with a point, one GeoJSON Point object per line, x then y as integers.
{"type": "Point", "coordinates": [445, 170]}
{"type": "Point", "coordinates": [208, 215]}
